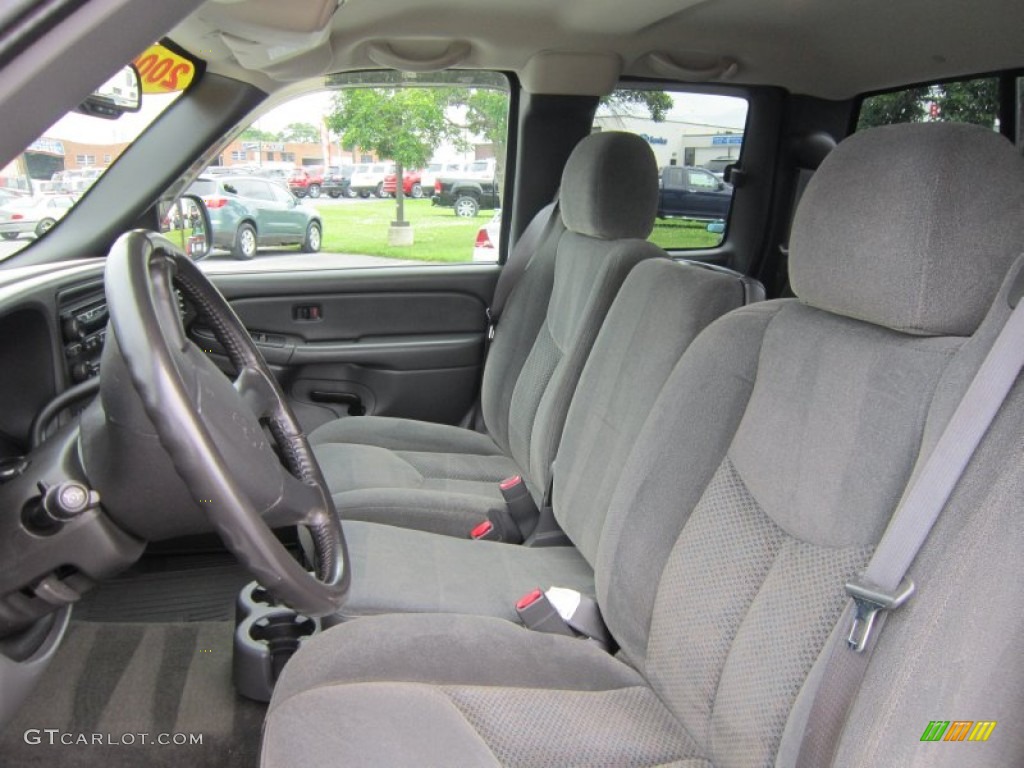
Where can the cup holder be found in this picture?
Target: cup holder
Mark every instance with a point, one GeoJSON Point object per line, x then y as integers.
{"type": "Point", "coordinates": [266, 635]}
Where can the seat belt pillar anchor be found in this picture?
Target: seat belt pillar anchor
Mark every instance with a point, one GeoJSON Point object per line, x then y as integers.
{"type": "Point", "coordinates": [490, 324]}
{"type": "Point", "coordinates": [869, 601]}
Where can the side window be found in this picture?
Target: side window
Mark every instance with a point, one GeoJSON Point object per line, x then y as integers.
{"type": "Point", "coordinates": [702, 181]}
{"type": "Point", "coordinates": [964, 101]}
{"type": "Point", "coordinates": [406, 198]}
{"type": "Point", "coordinates": [281, 195]}
{"type": "Point", "coordinates": [694, 137]}
{"type": "Point", "coordinates": [255, 189]}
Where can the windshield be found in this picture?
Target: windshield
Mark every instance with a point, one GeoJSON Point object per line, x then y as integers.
{"type": "Point", "coordinates": [77, 150]}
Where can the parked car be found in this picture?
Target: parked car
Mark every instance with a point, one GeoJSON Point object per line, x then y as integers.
{"type": "Point", "coordinates": [248, 212]}
{"type": "Point", "coordinates": [32, 215]}
{"type": "Point", "coordinates": [338, 181]}
{"type": "Point", "coordinates": [481, 170]}
{"type": "Point", "coordinates": [411, 183]}
{"type": "Point", "coordinates": [718, 165]}
{"type": "Point", "coordinates": [488, 239]}
{"type": "Point", "coordinates": [693, 193]}
{"type": "Point", "coordinates": [466, 195]}
{"type": "Point", "coordinates": [434, 170]}
{"type": "Point", "coordinates": [306, 181]}
{"type": "Point", "coordinates": [368, 179]}
{"type": "Point", "coordinates": [10, 193]}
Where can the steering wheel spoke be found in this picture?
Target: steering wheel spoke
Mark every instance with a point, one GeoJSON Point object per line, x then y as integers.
{"type": "Point", "coordinates": [301, 503]}
{"type": "Point", "coordinates": [256, 391]}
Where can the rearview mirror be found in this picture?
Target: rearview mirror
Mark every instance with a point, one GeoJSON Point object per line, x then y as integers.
{"type": "Point", "coordinates": [121, 93]}
{"type": "Point", "coordinates": [186, 223]}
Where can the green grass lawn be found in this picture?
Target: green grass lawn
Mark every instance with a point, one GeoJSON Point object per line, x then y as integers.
{"type": "Point", "coordinates": [362, 228]}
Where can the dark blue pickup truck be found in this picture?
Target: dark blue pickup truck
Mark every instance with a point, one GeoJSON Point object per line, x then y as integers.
{"type": "Point", "coordinates": [692, 193]}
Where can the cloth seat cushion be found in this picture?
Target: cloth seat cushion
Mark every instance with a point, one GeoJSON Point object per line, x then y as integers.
{"type": "Point", "coordinates": [401, 570]}
{"type": "Point", "coordinates": [412, 473]}
{"type": "Point", "coordinates": [465, 690]}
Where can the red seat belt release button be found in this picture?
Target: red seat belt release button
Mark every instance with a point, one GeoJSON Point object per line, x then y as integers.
{"type": "Point", "coordinates": [483, 530]}
{"type": "Point", "coordinates": [537, 613]}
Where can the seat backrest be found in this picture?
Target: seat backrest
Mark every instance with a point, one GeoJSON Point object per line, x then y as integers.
{"type": "Point", "coordinates": [608, 198]}
{"type": "Point", "coordinates": [782, 442]}
{"type": "Point", "coordinates": [659, 311]}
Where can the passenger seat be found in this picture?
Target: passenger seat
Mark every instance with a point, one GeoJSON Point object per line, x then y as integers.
{"type": "Point", "coordinates": [445, 479]}
{"type": "Point", "coordinates": [760, 484]}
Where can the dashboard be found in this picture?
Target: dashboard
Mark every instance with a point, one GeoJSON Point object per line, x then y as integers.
{"type": "Point", "coordinates": [52, 328]}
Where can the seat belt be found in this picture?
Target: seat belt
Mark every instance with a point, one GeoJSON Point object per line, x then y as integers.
{"type": "Point", "coordinates": [884, 585]}
{"type": "Point", "coordinates": [518, 260]}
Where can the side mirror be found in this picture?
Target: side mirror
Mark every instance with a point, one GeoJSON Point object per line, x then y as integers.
{"type": "Point", "coordinates": [121, 93]}
{"type": "Point", "coordinates": [186, 223]}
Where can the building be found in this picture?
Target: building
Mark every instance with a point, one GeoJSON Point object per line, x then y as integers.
{"type": "Point", "coordinates": [677, 142]}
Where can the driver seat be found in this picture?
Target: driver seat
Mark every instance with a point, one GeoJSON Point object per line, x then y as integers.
{"type": "Point", "coordinates": [723, 584]}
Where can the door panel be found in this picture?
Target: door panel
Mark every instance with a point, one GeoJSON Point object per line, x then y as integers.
{"type": "Point", "coordinates": [402, 341]}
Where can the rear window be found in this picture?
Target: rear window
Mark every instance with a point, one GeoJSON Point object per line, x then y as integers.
{"type": "Point", "coordinates": [203, 187]}
{"type": "Point", "coordinates": [964, 101]}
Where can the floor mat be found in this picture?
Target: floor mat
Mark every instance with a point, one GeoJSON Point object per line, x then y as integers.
{"type": "Point", "coordinates": [173, 588]}
{"type": "Point", "coordinates": [130, 686]}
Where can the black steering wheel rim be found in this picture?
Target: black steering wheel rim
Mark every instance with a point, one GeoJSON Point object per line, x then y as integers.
{"type": "Point", "coordinates": [142, 272]}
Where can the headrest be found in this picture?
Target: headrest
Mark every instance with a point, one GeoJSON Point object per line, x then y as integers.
{"type": "Point", "coordinates": [610, 187]}
{"type": "Point", "coordinates": [912, 227]}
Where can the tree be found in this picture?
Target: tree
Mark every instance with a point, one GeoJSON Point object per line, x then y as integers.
{"type": "Point", "coordinates": [405, 125]}
{"type": "Point", "coordinates": [303, 133]}
{"type": "Point", "coordinates": [906, 106]}
{"type": "Point", "coordinates": [971, 101]}
{"type": "Point", "coordinates": [655, 103]}
{"type": "Point", "coordinates": [968, 101]}
{"type": "Point", "coordinates": [253, 133]}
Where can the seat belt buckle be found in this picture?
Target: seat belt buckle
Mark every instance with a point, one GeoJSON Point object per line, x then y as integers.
{"type": "Point", "coordinates": [564, 611]}
{"type": "Point", "coordinates": [485, 531]}
{"type": "Point", "coordinates": [870, 601]}
{"type": "Point", "coordinates": [520, 506]}
{"type": "Point", "coordinates": [538, 613]}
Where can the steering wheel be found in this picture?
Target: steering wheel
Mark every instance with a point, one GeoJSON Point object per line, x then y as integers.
{"type": "Point", "coordinates": [212, 428]}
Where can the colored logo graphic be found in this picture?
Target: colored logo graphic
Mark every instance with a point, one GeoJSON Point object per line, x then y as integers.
{"type": "Point", "coordinates": [958, 730]}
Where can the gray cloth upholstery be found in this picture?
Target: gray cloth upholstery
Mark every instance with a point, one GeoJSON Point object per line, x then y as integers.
{"type": "Point", "coordinates": [606, 190]}
{"type": "Point", "coordinates": [720, 571]}
{"type": "Point", "coordinates": [659, 311]}
{"type": "Point", "coordinates": [407, 472]}
{"type": "Point", "coordinates": [910, 227]}
{"type": "Point", "coordinates": [547, 329]}
{"type": "Point", "coordinates": [465, 690]}
{"type": "Point", "coordinates": [396, 570]}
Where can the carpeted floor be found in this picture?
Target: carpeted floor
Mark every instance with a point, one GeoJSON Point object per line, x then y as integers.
{"type": "Point", "coordinates": [167, 670]}
{"type": "Point", "coordinates": [174, 588]}
{"type": "Point", "coordinates": [118, 679]}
